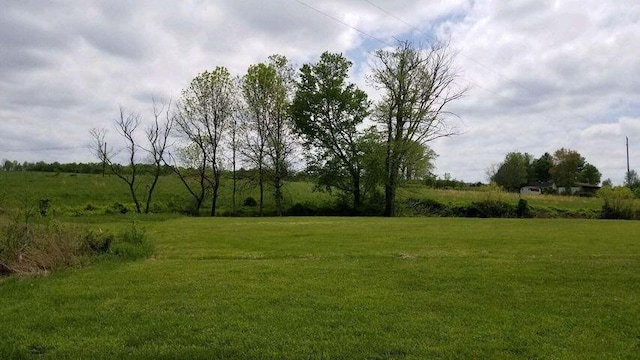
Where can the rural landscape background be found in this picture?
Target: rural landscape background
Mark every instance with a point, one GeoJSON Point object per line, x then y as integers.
{"type": "Point", "coordinates": [285, 180]}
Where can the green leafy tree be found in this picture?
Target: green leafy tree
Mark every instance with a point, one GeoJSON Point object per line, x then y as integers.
{"type": "Point", "coordinates": [416, 85]}
{"type": "Point", "coordinates": [567, 166]}
{"type": "Point", "coordinates": [267, 89]}
{"type": "Point", "coordinates": [326, 111]}
{"type": "Point", "coordinates": [590, 174]}
{"type": "Point", "coordinates": [540, 169]}
{"type": "Point", "coordinates": [204, 113]}
{"type": "Point", "coordinates": [512, 173]}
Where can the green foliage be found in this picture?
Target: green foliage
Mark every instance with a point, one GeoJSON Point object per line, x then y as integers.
{"type": "Point", "coordinates": [590, 174]}
{"type": "Point", "coordinates": [250, 201]}
{"type": "Point", "coordinates": [567, 166]}
{"type": "Point", "coordinates": [132, 243]}
{"type": "Point", "coordinates": [540, 169]}
{"type": "Point", "coordinates": [512, 174]}
{"type": "Point", "coordinates": [326, 111]}
{"type": "Point", "coordinates": [618, 203]}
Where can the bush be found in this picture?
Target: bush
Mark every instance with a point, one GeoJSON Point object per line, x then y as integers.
{"type": "Point", "coordinates": [250, 202]}
{"type": "Point", "coordinates": [117, 208]}
{"type": "Point", "coordinates": [618, 203]}
{"type": "Point", "coordinates": [27, 248]}
{"type": "Point", "coordinates": [31, 248]}
{"type": "Point", "coordinates": [299, 209]}
{"type": "Point", "coordinates": [426, 207]}
{"type": "Point", "coordinates": [523, 210]}
{"type": "Point", "coordinates": [132, 244]}
{"type": "Point", "coordinates": [490, 209]}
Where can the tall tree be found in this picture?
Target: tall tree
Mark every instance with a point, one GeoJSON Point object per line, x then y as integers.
{"type": "Point", "coordinates": [280, 135]}
{"type": "Point", "coordinates": [326, 111]}
{"type": "Point", "coordinates": [256, 88]}
{"type": "Point", "coordinates": [204, 112]}
{"type": "Point", "coordinates": [417, 85]}
{"type": "Point", "coordinates": [267, 90]}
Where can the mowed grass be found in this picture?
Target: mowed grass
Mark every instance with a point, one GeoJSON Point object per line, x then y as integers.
{"type": "Point", "coordinates": [342, 288]}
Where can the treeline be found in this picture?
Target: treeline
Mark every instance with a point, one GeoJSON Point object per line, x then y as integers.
{"type": "Point", "coordinates": [565, 169]}
{"type": "Point", "coordinates": [74, 168]}
{"type": "Point", "coordinates": [274, 116]}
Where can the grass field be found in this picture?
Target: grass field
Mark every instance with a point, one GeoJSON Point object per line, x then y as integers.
{"type": "Point", "coordinates": [85, 194]}
{"type": "Point", "coordinates": [341, 288]}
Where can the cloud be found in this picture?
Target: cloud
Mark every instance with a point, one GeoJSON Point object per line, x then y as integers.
{"type": "Point", "coordinates": [543, 74]}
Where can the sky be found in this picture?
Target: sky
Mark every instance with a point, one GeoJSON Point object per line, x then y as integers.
{"type": "Point", "coordinates": [541, 74]}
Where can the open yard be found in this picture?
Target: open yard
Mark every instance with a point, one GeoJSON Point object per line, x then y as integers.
{"type": "Point", "coordinates": [341, 288]}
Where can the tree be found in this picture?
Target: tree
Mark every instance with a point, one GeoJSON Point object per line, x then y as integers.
{"type": "Point", "coordinates": [282, 139]}
{"type": "Point", "coordinates": [631, 180]}
{"type": "Point", "coordinates": [567, 166]}
{"type": "Point", "coordinates": [266, 89]}
{"type": "Point", "coordinates": [541, 169]}
{"type": "Point", "coordinates": [157, 136]}
{"type": "Point", "coordinates": [418, 162]}
{"type": "Point", "coordinates": [256, 86]}
{"type": "Point", "coordinates": [326, 111]}
{"type": "Point", "coordinates": [268, 138]}
{"type": "Point", "coordinates": [512, 172]}
{"type": "Point", "coordinates": [417, 85]}
{"type": "Point", "coordinates": [204, 112]}
{"type": "Point", "coordinates": [126, 126]}
{"type": "Point", "coordinates": [590, 174]}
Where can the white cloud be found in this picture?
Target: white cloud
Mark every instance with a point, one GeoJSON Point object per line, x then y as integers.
{"type": "Point", "coordinates": [544, 74]}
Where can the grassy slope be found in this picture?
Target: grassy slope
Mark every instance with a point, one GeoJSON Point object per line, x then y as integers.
{"type": "Point", "coordinates": [336, 288]}
{"type": "Point", "coordinates": [71, 193]}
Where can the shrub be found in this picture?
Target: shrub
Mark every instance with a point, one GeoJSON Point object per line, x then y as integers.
{"type": "Point", "coordinates": [426, 207]}
{"type": "Point", "coordinates": [117, 208]}
{"type": "Point", "coordinates": [299, 209]}
{"type": "Point", "coordinates": [132, 244]}
{"type": "Point", "coordinates": [490, 209]}
{"type": "Point", "coordinates": [43, 206]}
{"type": "Point", "coordinates": [250, 201]}
{"type": "Point", "coordinates": [618, 203]}
{"type": "Point", "coordinates": [523, 210]}
{"type": "Point", "coordinates": [35, 248]}
{"type": "Point", "coordinates": [31, 248]}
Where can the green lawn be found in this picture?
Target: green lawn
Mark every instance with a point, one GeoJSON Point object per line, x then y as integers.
{"type": "Point", "coordinates": [342, 288]}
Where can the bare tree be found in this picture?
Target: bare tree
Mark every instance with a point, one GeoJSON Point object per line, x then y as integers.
{"type": "Point", "coordinates": [417, 86]}
{"type": "Point", "coordinates": [126, 125]}
{"type": "Point", "coordinates": [157, 135]}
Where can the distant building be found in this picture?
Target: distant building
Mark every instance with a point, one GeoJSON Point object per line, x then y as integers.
{"type": "Point", "coordinates": [579, 188]}
{"type": "Point", "coordinates": [530, 190]}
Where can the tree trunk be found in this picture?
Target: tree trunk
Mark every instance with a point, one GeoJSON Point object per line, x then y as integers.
{"type": "Point", "coordinates": [261, 187]}
{"type": "Point", "coordinates": [356, 194]}
{"type": "Point", "coordinates": [214, 197]}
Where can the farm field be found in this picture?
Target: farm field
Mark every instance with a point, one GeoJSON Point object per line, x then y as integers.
{"type": "Point", "coordinates": [340, 288]}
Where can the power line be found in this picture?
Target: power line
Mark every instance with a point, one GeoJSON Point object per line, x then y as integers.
{"type": "Point", "coordinates": [416, 28]}
{"type": "Point", "coordinates": [342, 22]}
{"type": "Point", "coordinates": [486, 67]}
